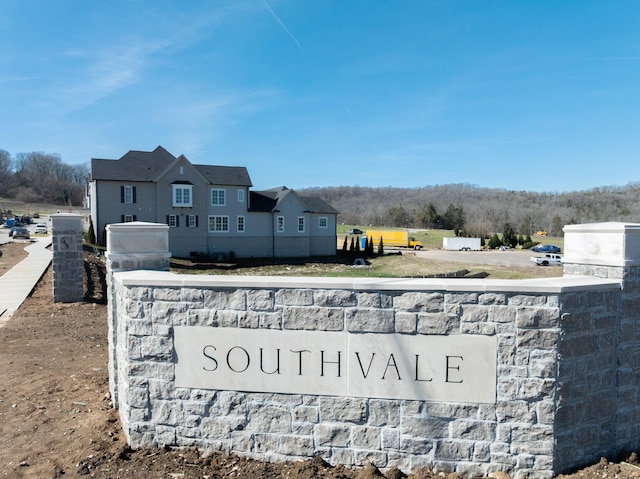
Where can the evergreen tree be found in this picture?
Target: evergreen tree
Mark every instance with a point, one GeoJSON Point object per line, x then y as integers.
{"type": "Point", "coordinates": [380, 247]}
{"type": "Point", "coordinates": [494, 241]}
{"type": "Point", "coordinates": [91, 235]}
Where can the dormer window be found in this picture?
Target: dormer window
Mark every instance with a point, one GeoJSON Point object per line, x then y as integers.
{"type": "Point", "coordinates": [182, 196]}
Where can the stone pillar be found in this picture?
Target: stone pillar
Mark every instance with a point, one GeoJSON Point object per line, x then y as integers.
{"type": "Point", "coordinates": [130, 246]}
{"type": "Point", "coordinates": [612, 250]}
{"type": "Point", "coordinates": [66, 229]}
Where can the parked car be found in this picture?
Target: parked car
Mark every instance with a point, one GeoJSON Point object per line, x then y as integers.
{"type": "Point", "coordinates": [41, 228]}
{"type": "Point", "coordinates": [19, 232]}
{"type": "Point", "coordinates": [547, 260]}
{"type": "Point", "coordinates": [355, 231]}
{"type": "Point", "coordinates": [546, 248]}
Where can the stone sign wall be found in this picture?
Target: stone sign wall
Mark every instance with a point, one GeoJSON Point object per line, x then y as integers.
{"type": "Point", "coordinates": [530, 377]}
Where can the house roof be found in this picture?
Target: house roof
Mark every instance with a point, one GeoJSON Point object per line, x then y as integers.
{"type": "Point", "coordinates": [133, 166]}
{"type": "Point", "coordinates": [149, 165]}
{"type": "Point", "coordinates": [225, 175]}
{"type": "Point", "coordinates": [268, 200]}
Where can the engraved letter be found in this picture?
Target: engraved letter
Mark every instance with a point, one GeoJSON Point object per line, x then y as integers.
{"type": "Point", "coordinates": [322, 363]}
{"type": "Point", "coordinates": [449, 368]}
{"type": "Point", "coordinates": [300, 359]}
{"type": "Point", "coordinates": [391, 362]}
{"type": "Point", "coordinates": [229, 359]}
{"type": "Point", "coordinates": [215, 363]}
{"type": "Point", "coordinates": [417, 373]}
{"type": "Point", "coordinates": [364, 375]}
{"type": "Point", "coordinates": [277, 370]}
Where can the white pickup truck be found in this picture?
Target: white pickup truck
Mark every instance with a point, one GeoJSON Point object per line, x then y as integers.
{"type": "Point", "coordinates": [547, 260]}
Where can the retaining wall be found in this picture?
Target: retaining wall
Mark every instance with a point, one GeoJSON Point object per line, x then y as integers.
{"type": "Point", "coordinates": [529, 377]}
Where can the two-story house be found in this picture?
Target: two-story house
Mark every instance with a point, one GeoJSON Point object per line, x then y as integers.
{"type": "Point", "coordinates": [210, 210]}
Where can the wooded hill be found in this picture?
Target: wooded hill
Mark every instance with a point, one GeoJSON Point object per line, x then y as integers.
{"type": "Point", "coordinates": [480, 211]}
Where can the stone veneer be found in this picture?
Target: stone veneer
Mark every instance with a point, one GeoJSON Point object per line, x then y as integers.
{"type": "Point", "coordinates": [567, 364]}
{"type": "Point", "coordinates": [66, 231]}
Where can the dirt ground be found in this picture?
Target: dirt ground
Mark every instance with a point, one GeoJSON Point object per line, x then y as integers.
{"type": "Point", "coordinates": [56, 418]}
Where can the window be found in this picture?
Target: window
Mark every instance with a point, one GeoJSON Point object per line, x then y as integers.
{"type": "Point", "coordinates": [240, 196]}
{"type": "Point", "coordinates": [300, 224]}
{"type": "Point", "coordinates": [322, 222]}
{"type": "Point", "coordinates": [172, 221]}
{"type": "Point", "coordinates": [280, 224]}
{"type": "Point", "coordinates": [127, 194]}
{"type": "Point", "coordinates": [192, 221]}
{"type": "Point", "coordinates": [182, 195]}
{"type": "Point", "coordinates": [127, 218]}
{"type": "Point", "coordinates": [217, 197]}
{"type": "Point", "coordinates": [218, 223]}
{"type": "Point", "coordinates": [240, 224]}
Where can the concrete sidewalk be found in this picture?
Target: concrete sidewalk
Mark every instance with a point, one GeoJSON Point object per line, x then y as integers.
{"type": "Point", "coordinates": [17, 283]}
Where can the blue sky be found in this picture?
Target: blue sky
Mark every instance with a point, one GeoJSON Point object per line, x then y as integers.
{"type": "Point", "coordinates": [523, 95]}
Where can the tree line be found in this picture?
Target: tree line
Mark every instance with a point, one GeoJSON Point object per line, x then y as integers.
{"type": "Point", "coordinates": [38, 177]}
{"type": "Point", "coordinates": [478, 211]}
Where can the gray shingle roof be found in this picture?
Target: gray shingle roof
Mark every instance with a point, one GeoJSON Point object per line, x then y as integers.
{"type": "Point", "coordinates": [267, 200]}
{"type": "Point", "coordinates": [225, 175]}
{"type": "Point", "coordinates": [133, 166]}
{"type": "Point", "coordinates": [148, 165]}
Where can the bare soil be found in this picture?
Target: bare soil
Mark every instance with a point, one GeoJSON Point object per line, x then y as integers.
{"type": "Point", "coordinates": [56, 418]}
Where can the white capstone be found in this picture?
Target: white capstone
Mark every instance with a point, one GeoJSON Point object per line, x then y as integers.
{"type": "Point", "coordinates": [602, 244]}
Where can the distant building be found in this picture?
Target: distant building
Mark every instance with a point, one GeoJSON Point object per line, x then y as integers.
{"type": "Point", "coordinates": [210, 210]}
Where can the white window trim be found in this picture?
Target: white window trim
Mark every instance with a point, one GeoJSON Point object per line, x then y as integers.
{"type": "Point", "coordinates": [302, 221]}
{"type": "Point", "coordinates": [191, 224]}
{"type": "Point", "coordinates": [322, 219]}
{"type": "Point", "coordinates": [128, 194]}
{"type": "Point", "coordinates": [280, 224]}
{"type": "Point", "coordinates": [222, 222]}
{"type": "Point", "coordinates": [173, 221]}
{"type": "Point", "coordinates": [182, 203]}
{"type": "Point", "coordinates": [224, 196]}
{"type": "Point", "coordinates": [241, 196]}
{"type": "Point", "coordinates": [242, 219]}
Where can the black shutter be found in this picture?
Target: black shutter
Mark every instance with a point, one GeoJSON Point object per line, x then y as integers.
{"type": "Point", "coordinates": [135, 218]}
{"type": "Point", "coordinates": [167, 219]}
{"type": "Point", "coordinates": [177, 221]}
{"type": "Point", "coordinates": [134, 194]}
{"type": "Point", "coordinates": [196, 221]}
{"type": "Point", "coordinates": [121, 218]}
{"type": "Point", "coordinates": [122, 194]}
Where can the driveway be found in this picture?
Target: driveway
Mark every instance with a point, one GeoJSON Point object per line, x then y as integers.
{"type": "Point", "coordinates": [503, 258]}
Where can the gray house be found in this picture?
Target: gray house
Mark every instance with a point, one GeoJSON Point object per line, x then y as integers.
{"type": "Point", "coordinates": [209, 209]}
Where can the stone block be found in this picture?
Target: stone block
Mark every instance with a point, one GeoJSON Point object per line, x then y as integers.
{"type": "Point", "coordinates": [335, 435]}
{"type": "Point", "coordinates": [366, 437]}
{"type": "Point", "coordinates": [370, 320]}
{"type": "Point", "coordinates": [335, 298]}
{"type": "Point", "coordinates": [294, 297]}
{"type": "Point", "coordinates": [260, 300]}
{"type": "Point", "coordinates": [343, 409]}
{"type": "Point", "coordinates": [419, 302]}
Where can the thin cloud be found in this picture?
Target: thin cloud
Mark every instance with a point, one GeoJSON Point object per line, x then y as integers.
{"type": "Point", "coordinates": [283, 26]}
{"type": "Point", "coordinates": [346, 109]}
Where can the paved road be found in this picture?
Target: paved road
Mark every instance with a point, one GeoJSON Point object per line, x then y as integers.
{"type": "Point", "coordinates": [504, 258]}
